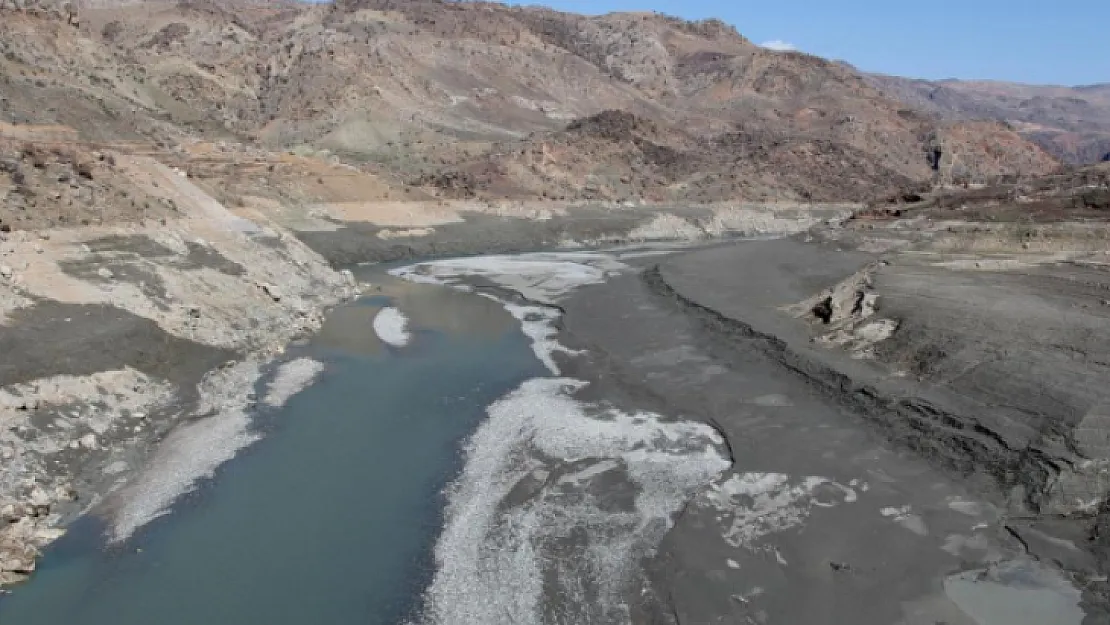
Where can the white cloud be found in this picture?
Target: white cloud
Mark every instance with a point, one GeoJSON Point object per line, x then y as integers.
{"type": "Point", "coordinates": [779, 45]}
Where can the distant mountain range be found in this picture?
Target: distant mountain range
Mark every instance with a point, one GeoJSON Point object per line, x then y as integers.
{"type": "Point", "coordinates": [1073, 123]}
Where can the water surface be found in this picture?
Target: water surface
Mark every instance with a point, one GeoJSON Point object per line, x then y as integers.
{"type": "Point", "coordinates": [332, 517]}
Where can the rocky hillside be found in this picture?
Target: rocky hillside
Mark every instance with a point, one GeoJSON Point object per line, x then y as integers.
{"type": "Point", "coordinates": [425, 98]}
{"type": "Point", "coordinates": [1073, 123]}
{"type": "Point", "coordinates": [1073, 194]}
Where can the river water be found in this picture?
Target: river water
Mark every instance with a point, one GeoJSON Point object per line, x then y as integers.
{"type": "Point", "coordinates": [438, 472]}
{"type": "Point", "coordinates": [332, 516]}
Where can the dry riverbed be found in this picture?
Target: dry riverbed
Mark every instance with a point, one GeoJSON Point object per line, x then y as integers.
{"type": "Point", "coordinates": [985, 375]}
{"type": "Point", "coordinates": [742, 421]}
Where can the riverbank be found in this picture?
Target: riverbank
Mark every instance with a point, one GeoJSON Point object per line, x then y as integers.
{"type": "Point", "coordinates": [845, 332]}
{"type": "Point", "coordinates": [819, 479]}
{"type": "Point", "coordinates": [980, 373]}
{"type": "Point", "coordinates": [117, 337]}
{"type": "Point", "coordinates": [138, 343]}
{"type": "Point", "coordinates": [332, 514]}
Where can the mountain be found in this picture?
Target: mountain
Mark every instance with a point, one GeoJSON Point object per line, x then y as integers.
{"type": "Point", "coordinates": [424, 98]}
{"type": "Point", "coordinates": [1073, 123]}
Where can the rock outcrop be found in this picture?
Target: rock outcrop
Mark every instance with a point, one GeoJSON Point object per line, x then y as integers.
{"type": "Point", "coordinates": [65, 10]}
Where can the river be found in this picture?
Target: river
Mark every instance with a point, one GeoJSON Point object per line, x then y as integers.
{"type": "Point", "coordinates": [556, 439]}
{"type": "Point", "coordinates": [332, 516]}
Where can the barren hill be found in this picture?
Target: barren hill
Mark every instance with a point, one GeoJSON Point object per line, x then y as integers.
{"type": "Point", "coordinates": [1072, 123]}
{"type": "Point", "coordinates": [1076, 194]}
{"type": "Point", "coordinates": [427, 98]}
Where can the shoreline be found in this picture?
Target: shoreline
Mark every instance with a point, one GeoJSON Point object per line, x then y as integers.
{"type": "Point", "coordinates": [552, 469]}
{"type": "Point", "coordinates": [181, 285]}
{"type": "Point", "coordinates": [127, 334]}
{"type": "Point", "coordinates": [870, 497]}
{"type": "Point", "coordinates": [1037, 472]}
{"type": "Point", "coordinates": [784, 306]}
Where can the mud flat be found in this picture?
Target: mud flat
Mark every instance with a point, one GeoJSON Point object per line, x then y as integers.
{"type": "Point", "coordinates": [728, 440]}
{"type": "Point", "coordinates": [562, 492]}
{"type": "Point", "coordinates": [914, 435]}
{"type": "Point", "coordinates": [721, 431]}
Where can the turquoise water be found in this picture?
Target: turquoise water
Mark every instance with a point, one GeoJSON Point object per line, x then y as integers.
{"type": "Point", "coordinates": [332, 517]}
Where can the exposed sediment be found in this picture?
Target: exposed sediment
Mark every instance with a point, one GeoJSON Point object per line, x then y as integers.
{"type": "Point", "coordinates": [153, 335]}
{"type": "Point", "coordinates": [560, 497]}
{"type": "Point", "coordinates": [1004, 397]}
{"type": "Point", "coordinates": [472, 229]}
{"type": "Point", "coordinates": [115, 336]}
{"type": "Point", "coordinates": [232, 296]}
{"type": "Point", "coordinates": [693, 336]}
{"type": "Point", "coordinates": [957, 442]}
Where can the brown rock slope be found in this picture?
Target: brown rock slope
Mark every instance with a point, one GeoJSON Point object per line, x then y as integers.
{"type": "Point", "coordinates": [1071, 194]}
{"type": "Point", "coordinates": [482, 100]}
{"type": "Point", "coordinates": [1073, 123]}
{"type": "Point", "coordinates": [616, 155]}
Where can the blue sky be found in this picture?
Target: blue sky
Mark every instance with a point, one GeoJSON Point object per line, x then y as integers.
{"type": "Point", "coordinates": [1036, 41]}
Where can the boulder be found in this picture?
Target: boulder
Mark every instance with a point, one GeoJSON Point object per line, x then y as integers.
{"type": "Point", "coordinates": [39, 497]}
{"type": "Point", "coordinates": [18, 563]}
{"type": "Point", "coordinates": [273, 291]}
{"type": "Point", "coordinates": [12, 512]}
